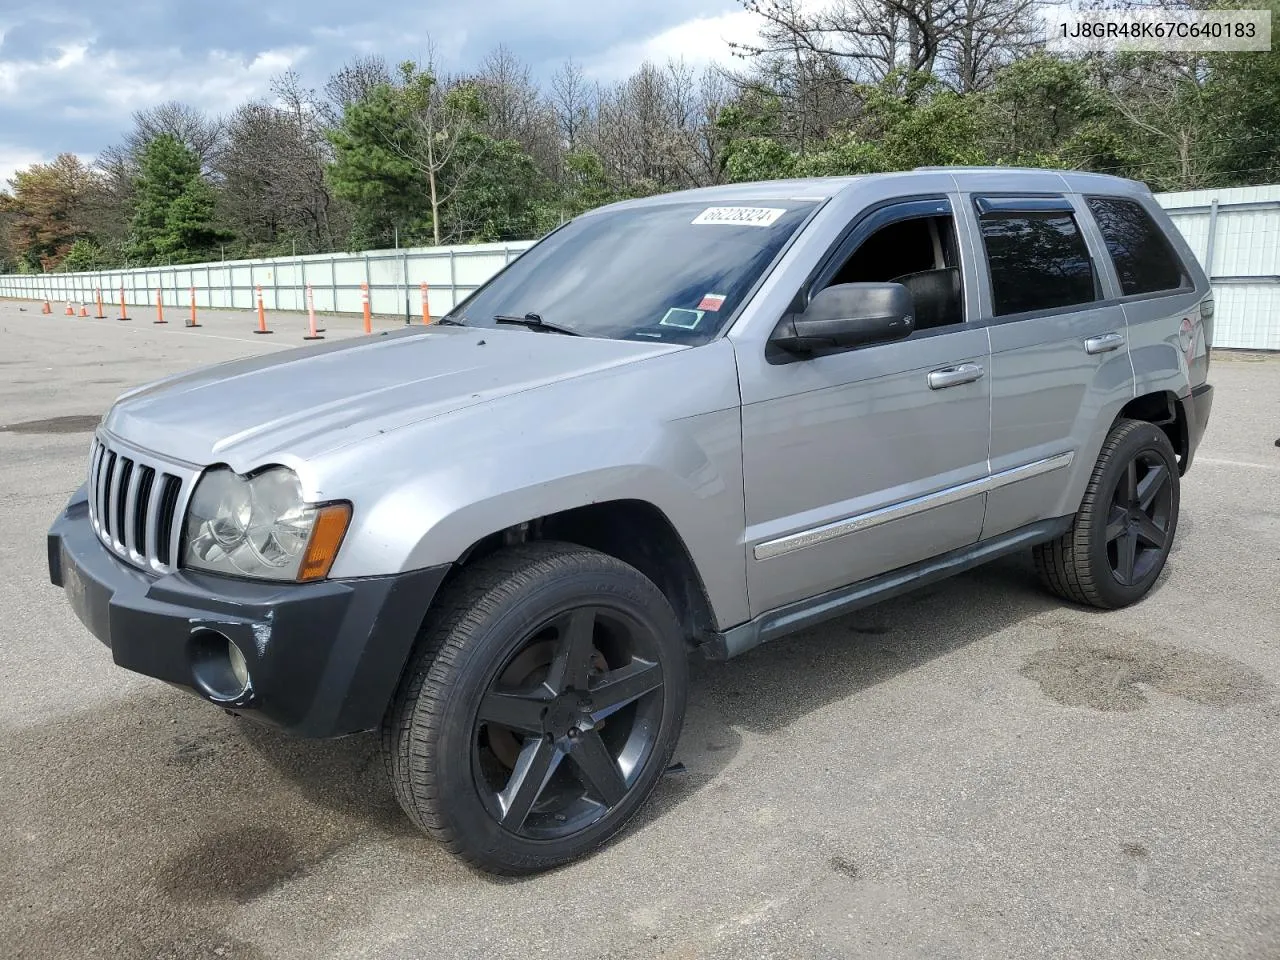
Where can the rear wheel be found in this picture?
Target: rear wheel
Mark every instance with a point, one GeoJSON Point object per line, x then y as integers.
{"type": "Point", "coordinates": [1124, 529]}
{"type": "Point", "coordinates": [540, 709]}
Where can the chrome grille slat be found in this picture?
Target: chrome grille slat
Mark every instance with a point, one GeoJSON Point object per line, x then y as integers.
{"type": "Point", "coordinates": [119, 501]}
{"type": "Point", "coordinates": [137, 503]}
{"type": "Point", "coordinates": [111, 488]}
{"type": "Point", "coordinates": [129, 509]}
{"type": "Point", "coordinates": [142, 509]}
{"type": "Point", "coordinates": [97, 487]}
{"type": "Point", "coordinates": [95, 457]}
{"type": "Point", "coordinates": [178, 521]}
{"type": "Point", "coordinates": [153, 518]}
{"type": "Point", "coordinates": [169, 529]}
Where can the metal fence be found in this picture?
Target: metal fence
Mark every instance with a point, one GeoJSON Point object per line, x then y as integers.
{"type": "Point", "coordinates": [393, 278]}
{"type": "Point", "coordinates": [1236, 235]}
{"type": "Point", "coordinates": [1235, 232]}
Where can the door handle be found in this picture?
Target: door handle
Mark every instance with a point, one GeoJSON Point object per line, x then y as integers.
{"type": "Point", "coordinates": [1104, 343]}
{"type": "Point", "coordinates": [954, 376]}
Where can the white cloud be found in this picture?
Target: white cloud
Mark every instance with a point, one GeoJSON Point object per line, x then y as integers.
{"type": "Point", "coordinates": [700, 42]}
{"type": "Point", "coordinates": [13, 159]}
{"type": "Point", "coordinates": [116, 86]}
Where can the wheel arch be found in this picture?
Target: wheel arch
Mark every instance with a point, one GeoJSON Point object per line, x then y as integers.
{"type": "Point", "coordinates": [634, 531]}
{"type": "Point", "coordinates": [1162, 409]}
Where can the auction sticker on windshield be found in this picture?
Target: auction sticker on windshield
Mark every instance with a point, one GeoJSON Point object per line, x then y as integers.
{"type": "Point", "coordinates": [740, 216]}
{"type": "Point", "coordinates": [684, 319]}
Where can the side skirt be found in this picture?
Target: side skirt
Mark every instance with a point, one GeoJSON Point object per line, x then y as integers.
{"type": "Point", "coordinates": [843, 600]}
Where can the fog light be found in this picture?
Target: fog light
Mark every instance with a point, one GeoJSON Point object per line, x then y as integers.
{"type": "Point", "coordinates": [219, 668]}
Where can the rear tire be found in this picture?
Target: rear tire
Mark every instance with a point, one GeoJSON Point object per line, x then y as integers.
{"type": "Point", "coordinates": [540, 708]}
{"type": "Point", "coordinates": [1121, 536]}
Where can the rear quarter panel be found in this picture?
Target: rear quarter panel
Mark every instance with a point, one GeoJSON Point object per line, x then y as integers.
{"type": "Point", "coordinates": [1168, 341]}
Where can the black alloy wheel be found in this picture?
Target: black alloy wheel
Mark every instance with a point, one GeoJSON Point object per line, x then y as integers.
{"type": "Point", "coordinates": [1122, 534]}
{"type": "Point", "coordinates": [1138, 523]}
{"type": "Point", "coordinates": [540, 708]}
{"type": "Point", "coordinates": [568, 722]}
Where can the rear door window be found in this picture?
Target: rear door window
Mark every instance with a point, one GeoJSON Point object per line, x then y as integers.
{"type": "Point", "coordinates": [1144, 259]}
{"type": "Point", "coordinates": [1037, 258]}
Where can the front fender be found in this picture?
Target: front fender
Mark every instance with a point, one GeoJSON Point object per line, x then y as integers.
{"type": "Point", "coordinates": [436, 491]}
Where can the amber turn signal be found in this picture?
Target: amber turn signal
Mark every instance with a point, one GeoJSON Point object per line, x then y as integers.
{"type": "Point", "coordinates": [326, 536]}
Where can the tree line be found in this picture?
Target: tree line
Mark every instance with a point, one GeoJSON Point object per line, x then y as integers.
{"type": "Point", "coordinates": [407, 154]}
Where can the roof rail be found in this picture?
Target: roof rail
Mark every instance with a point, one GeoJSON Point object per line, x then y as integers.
{"type": "Point", "coordinates": [984, 166]}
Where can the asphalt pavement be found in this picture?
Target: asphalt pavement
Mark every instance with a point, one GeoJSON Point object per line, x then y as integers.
{"type": "Point", "coordinates": [973, 771]}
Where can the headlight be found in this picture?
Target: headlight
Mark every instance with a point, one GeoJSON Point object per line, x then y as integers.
{"type": "Point", "coordinates": [260, 526]}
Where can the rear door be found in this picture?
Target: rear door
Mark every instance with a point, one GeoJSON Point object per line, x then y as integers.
{"type": "Point", "coordinates": [1060, 367]}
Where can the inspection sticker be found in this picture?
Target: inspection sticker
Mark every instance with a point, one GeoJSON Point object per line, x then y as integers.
{"type": "Point", "coordinates": [740, 216]}
{"type": "Point", "coordinates": [684, 319]}
{"type": "Point", "coordinates": [712, 302]}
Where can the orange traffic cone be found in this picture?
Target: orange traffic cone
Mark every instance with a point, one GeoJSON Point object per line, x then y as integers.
{"type": "Point", "coordinates": [71, 312]}
{"type": "Point", "coordinates": [46, 308]}
{"type": "Point", "coordinates": [84, 311]}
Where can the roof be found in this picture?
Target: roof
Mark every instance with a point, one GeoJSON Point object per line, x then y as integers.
{"type": "Point", "coordinates": [822, 188]}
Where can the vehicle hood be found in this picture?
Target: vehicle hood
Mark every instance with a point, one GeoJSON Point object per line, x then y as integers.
{"type": "Point", "coordinates": [298, 404]}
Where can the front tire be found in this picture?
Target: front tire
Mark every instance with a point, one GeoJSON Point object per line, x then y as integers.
{"type": "Point", "coordinates": [1123, 532]}
{"type": "Point", "coordinates": [540, 708]}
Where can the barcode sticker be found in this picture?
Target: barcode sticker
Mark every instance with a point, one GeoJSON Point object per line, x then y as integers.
{"type": "Point", "coordinates": [740, 216]}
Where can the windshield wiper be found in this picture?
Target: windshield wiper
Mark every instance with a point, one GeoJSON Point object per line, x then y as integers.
{"type": "Point", "coordinates": [453, 321]}
{"type": "Point", "coordinates": [535, 322]}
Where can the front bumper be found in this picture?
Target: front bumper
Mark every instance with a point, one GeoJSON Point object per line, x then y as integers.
{"type": "Point", "coordinates": [1195, 411]}
{"type": "Point", "coordinates": [323, 658]}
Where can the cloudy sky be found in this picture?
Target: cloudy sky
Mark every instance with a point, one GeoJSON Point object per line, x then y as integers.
{"type": "Point", "coordinates": [72, 71]}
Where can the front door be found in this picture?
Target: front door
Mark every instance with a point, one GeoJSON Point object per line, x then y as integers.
{"type": "Point", "coordinates": [862, 461]}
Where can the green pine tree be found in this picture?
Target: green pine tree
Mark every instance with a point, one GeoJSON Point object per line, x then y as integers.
{"type": "Point", "coordinates": [173, 215]}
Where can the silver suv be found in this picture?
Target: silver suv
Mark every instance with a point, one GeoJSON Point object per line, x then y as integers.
{"type": "Point", "coordinates": [694, 421]}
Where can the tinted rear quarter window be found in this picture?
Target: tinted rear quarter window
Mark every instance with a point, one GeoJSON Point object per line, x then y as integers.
{"type": "Point", "coordinates": [1038, 261]}
{"type": "Point", "coordinates": [1144, 259]}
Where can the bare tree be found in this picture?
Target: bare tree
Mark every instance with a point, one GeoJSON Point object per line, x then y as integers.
{"type": "Point", "coordinates": [308, 155]}
{"type": "Point", "coordinates": [438, 119]}
{"type": "Point", "coordinates": [194, 129]}
{"type": "Point", "coordinates": [1162, 96]}
{"type": "Point", "coordinates": [959, 41]}
{"type": "Point", "coordinates": [353, 82]}
{"type": "Point", "coordinates": [272, 168]}
{"type": "Point", "coordinates": [655, 130]}
{"type": "Point", "coordinates": [570, 100]}
{"type": "Point", "coordinates": [987, 35]}
{"type": "Point", "coordinates": [515, 110]}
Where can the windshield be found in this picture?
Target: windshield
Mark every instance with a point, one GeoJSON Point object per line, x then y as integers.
{"type": "Point", "coordinates": [668, 272]}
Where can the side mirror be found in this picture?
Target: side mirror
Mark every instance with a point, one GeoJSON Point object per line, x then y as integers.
{"type": "Point", "coordinates": [849, 315]}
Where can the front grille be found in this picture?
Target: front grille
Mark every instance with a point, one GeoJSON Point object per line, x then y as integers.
{"type": "Point", "coordinates": [136, 503]}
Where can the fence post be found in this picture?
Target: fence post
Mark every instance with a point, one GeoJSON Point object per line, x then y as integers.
{"type": "Point", "coordinates": [453, 280]}
{"type": "Point", "coordinates": [1213, 233]}
{"type": "Point", "coordinates": [333, 281]}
